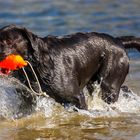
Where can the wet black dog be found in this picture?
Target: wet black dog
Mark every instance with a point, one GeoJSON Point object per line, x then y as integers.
{"type": "Point", "coordinates": [65, 65]}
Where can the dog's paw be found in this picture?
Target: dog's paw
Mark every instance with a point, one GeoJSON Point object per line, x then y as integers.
{"type": "Point", "coordinates": [110, 97]}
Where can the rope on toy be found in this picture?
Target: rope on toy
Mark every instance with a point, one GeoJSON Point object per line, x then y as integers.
{"type": "Point", "coordinates": [40, 93]}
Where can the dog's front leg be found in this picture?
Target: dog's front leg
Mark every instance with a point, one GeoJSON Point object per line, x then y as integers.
{"type": "Point", "coordinates": [113, 73]}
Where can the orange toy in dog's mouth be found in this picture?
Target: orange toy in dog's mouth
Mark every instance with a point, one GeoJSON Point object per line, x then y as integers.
{"type": "Point", "coordinates": [11, 62]}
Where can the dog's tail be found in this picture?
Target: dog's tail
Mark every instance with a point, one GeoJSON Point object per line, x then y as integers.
{"type": "Point", "coordinates": [130, 42]}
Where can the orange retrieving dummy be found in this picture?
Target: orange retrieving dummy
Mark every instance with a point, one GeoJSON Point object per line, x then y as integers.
{"type": "Point", "coordinates": [13, 62]}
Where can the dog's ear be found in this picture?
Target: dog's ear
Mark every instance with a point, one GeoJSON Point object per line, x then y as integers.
{"type": "Point", "coordinates": [33, 39]}
{"type": "Point", "coordinates": [34, 42]}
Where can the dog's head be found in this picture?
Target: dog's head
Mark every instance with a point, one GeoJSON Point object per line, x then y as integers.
{"type": "Point", "coordinates": [17, 40]}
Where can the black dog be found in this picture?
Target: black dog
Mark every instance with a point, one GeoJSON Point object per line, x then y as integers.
{"type": "Point", "coordinates": [65, 65]}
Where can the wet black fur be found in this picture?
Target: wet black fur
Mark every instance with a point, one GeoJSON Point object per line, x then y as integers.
{"type": "Point", "coordinates": [65, 65]}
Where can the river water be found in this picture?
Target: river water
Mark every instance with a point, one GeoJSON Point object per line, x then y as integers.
{"type": "Point", "coordinates": [49, 120]}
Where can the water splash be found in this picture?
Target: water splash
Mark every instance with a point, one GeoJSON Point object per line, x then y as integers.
{"type": "Point", "coordinates": [13, 105]}
{"type": "Point", "coordinates": [128, 103]}
{"type": "Point", "coordinates": [16, 100]}
{"type": "Point", "coordinates": [48, 106]}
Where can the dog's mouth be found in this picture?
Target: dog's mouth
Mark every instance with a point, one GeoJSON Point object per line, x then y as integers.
{"type": "Point", "coordinates": [4, 71]}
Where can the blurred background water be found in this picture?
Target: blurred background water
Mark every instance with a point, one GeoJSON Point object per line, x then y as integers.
{"type": "Point", "coordinates": [61, 17]}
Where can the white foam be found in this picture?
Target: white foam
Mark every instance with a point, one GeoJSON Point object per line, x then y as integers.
{"type": "Point", "coordinates": [128, 103]}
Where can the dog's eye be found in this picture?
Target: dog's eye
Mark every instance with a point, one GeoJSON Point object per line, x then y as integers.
{"type": "Point", "coordinates": [7, 42]}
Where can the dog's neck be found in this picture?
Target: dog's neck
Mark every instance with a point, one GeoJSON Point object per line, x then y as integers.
{"type": "Point", "coordinates": [41, 61]}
